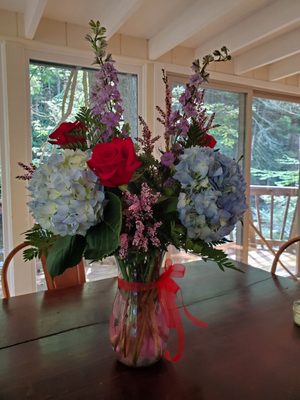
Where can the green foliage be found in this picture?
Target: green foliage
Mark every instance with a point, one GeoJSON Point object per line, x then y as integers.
{"type": "Point", "coordinates": [208, 252]}
{"type": "Point", "coordinates": [275, 140]}
{"type": "Point", "coordinates": [66, 252]}
{"type": "Point", "coordinates": [40, 240]}
{"type": "Point", "coordinates": [197, 246]}
{"type": "Point", "coordinates": [279, 178]}
{"type": "Point", "coordinates": [217, 56]}
{"type": "Point", "coordinates": [98, 42]}
{"type": "Point", "coordinates": [194, 134]}
{"type": "Point", "coordinates": [103, 239]}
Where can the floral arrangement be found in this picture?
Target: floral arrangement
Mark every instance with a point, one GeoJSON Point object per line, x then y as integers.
{"type": "Point", "coordinates": [104, 195]}
{"type": "Point", "coordinates": [101, 194]}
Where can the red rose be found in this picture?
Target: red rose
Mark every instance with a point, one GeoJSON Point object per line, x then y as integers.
{"type": "Point", "coordinates": [63, 136]}
{"type": "Point", "coordinates": [208, 141]}
{"type": "Point", "coordinates": [114, 162]}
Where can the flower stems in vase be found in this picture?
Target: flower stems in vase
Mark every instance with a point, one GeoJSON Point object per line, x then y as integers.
{"type": "Point", "coordinates": [138, 326]}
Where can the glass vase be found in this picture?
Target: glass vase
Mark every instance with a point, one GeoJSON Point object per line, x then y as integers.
{"type": "Point", "coordinates": [138, 326]}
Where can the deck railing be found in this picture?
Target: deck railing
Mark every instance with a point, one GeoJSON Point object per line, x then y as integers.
{"type": "Point", "coordinates": [274, 211]}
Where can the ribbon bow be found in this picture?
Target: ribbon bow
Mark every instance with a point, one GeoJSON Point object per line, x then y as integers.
{"type": "Point", "coordinates": [167, 291]}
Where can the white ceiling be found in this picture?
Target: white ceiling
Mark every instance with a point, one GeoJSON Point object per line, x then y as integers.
{"type": "Point", "coordinates": [258, 32]}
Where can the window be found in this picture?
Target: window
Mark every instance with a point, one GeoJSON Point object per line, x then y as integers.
{"type": "Point", "coordinates": [58, 92]}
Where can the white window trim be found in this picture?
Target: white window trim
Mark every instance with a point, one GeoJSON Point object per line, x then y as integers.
{"type": "Point", "coordinates": [5, 172]}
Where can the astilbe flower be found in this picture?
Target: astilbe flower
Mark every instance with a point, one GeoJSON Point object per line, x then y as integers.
{"type": "Point", "coordinates": [212, 198]}
{"type": "Point", "coordinates": [67, 198]}
{"type": "Point", "coordinates": [29, 170]}
{"type": "Point", "coordinates": [146, 140]}
{"type": "Point", "coordinates": [105, 98]}
{"type": "Point", "coordinates": [165, 115]}
{"type": "Point", "coordinates": [140, 225]}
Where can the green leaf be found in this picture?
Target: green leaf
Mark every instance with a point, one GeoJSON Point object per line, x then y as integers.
{"type": "Point", "coordinates": [65, 253]}
{"type": "Point", "coordinates": [208, 252]}
{"type": "Point", "coordinates": [171, 204]}
{"type": "Point", "coordinates": [30, 254]}
{"type": "Point", "coordinates": [40, 240]}
{"type": "Point", "coordinates": [103, 238]}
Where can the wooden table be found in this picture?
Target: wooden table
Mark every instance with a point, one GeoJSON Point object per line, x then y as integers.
{"type": "Point", "coordinates": [54, 345]}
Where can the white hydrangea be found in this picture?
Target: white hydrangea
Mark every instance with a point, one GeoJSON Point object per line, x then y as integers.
{"type": "Point", "coordinates": [67, 198]}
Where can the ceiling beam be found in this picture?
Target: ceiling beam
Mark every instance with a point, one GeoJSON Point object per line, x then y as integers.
{"type": "Point", "coordinates": [266, 21]}
{"type": "Point", "coordinates": [274, 50]}
{"type": "Point", "coordinates": [198, 16]}
{"type": "Point", "coordinates": [32, 16]}
{"type": "Point", "coordinates": [116, 13]}
{"type": "Point", "coordinates": [284, 68]}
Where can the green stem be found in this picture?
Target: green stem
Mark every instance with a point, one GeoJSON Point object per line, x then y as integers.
{"type": "Point", "coordinates": [122, 268]}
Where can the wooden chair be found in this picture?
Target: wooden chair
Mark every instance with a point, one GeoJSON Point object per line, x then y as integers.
{"type": "Point", "coordinates": [71, 276]}
{"type": "Point", "coordinates": [280, 251]}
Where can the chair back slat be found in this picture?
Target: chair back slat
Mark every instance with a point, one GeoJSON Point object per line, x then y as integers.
{"type": "Point", "coordinates": [278, 254]}
{"type": "Point", "coordinates": [71, 276]}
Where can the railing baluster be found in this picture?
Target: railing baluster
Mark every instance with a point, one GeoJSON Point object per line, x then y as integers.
{"type": "Point", "coordinates": [258, 212]}
{"type": "Point", "coordinates": [271, 216]}
{"type": "Point", "coordinates": [287, 204]}
{"type": "Point", "coordinates": [293, 221]}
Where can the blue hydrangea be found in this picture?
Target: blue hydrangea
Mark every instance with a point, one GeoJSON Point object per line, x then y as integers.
{"type": "Point", "coordinates": [66, 196]}
{"type": "Point", "coordinates": [212, 198]}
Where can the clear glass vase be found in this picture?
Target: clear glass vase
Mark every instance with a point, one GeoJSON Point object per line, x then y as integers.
{"type": "Point", "coordinates": [138, 326]}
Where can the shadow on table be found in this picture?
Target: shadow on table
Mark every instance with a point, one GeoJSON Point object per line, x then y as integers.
{"type": "Point", "coordinates": [159, 381]}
